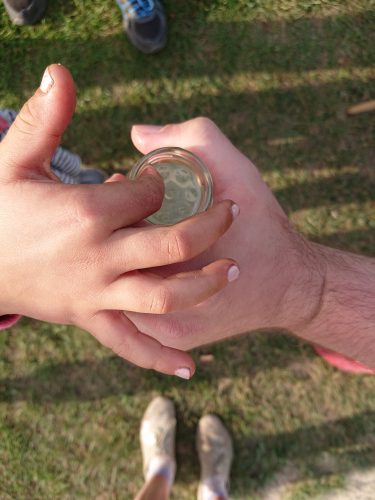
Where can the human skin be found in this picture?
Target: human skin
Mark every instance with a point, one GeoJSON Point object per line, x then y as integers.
{"type": "Point", "coordinates": [75, 255]}
{"type": "Point", "coordinates": [320, 294]}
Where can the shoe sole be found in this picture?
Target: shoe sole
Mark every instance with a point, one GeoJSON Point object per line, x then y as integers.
{"type": "Point", "coordinates": [145, 47]}
{"type": "Point", "coordinates": [31, 15]}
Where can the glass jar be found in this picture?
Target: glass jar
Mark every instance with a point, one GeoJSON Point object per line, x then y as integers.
{"type": "Point", "coordinates": [187, 181]}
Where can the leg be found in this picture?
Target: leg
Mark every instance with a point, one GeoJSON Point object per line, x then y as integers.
{"type": "Point", "coordinates": [158, 449]}
{"type": "Point", "coordinates": [215, 452]}
{"type": "Point", "coordinates": [157, 488]}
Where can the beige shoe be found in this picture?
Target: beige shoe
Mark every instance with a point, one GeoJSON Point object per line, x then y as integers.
{"type": "Point", "coordinates": [215, 451]}
{"type": "Point", "coordinates": [157, 434]}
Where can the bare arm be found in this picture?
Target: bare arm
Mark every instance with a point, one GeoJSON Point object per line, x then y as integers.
{"type": "Point", "coordinates": [345, 317]}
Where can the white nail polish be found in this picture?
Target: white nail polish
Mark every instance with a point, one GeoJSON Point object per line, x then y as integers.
{"type": "Point", "coordinates": [183, 373]}
{"type": "Point", "coordinates": [47, 82]}
{"type": "Point", "coordinates": [235, 210]}
{"type": "Point", "coordinates": [233, 273]}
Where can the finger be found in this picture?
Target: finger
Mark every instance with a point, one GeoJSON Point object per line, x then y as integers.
{"type": "Point", "coordinates": [154, 246]}
{"type": "Point", "coordinates": [149, 293]}
{"type": "Point", "coordinates": [116, 331]}
{"type": "Point", "coordinates": [29, 145]}
{"type": "Point", "coordinates": [121, 202]}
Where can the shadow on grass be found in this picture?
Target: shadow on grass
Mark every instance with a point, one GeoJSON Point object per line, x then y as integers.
{"type": "Point", "coordinates": [213, 48]}
{"type": "Point", "coordinates": [341, 189]}
{"type": "Point", "coordinates": [360, 241]}
{"type": "Point", "coordinates": [94, 380]}
{"type": "Point", "coordinates": [255, 121]}
{"type": "Point", "coordinates": [350, 440]}
{"type": "Point", "coordinates": [304, 126]}
{"type": "Point", "coordinates": [257, 458]}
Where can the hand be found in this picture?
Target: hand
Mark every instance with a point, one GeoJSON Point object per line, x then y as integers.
{"type": "Point", "coordinates": [278, 267]}
{"type": "Point", "coordinates": [71, 254]}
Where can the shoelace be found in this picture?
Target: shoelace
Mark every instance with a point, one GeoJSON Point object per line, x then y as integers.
{"type": "Point", "coordinates": [142, 8]}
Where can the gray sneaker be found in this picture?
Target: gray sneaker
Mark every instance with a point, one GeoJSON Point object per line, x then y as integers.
{"type": "Point", "coordinates": [25, 11]}
{"type": "Point", "coordinates": [88, 175]}
{"type": "Point", "coordinates": [145, 24]}
{"type": "Point", "coordinates": [158, 431]}
{"type": "Point", "coordinates": [215, 451]}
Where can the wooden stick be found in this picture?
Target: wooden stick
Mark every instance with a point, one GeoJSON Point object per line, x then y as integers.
{"type": "Point", "coordinates": [363, 107]}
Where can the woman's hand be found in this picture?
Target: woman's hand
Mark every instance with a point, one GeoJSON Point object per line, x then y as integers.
{"type": "Point", "coordinates": [72, 254]}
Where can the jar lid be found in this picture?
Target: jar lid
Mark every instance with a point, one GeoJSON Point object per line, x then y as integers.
{"type": "Point", "coordinates": [187, 181]}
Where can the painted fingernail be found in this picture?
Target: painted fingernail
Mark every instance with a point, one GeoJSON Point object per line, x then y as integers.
{"type": "Point", "coordinates": [183, 373]}
{"type": "Point", "coordinates": [148, 129]}
{"type": "Point", "coordinates": [47, 82]}
{"type": "Point", "coordinates": [233, 273]}
{"type": "Point", "coordinates": [235, 210]}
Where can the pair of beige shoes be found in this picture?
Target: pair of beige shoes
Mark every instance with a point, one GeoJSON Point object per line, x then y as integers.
{"type": "Point", "coordinates": [214, 444]}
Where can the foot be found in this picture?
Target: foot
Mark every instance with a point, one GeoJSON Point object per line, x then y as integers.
{"type": "Point", "coordinates": [145, 24]}
{"type": "Point", "coordinates": [215, 451]}
{"type": "Point", "coordinates": [158, 429]}
{"type": "Point", "coordinates": [25, 11]}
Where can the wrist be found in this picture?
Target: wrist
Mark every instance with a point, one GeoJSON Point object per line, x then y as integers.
{"type": "Point", "coordinates": [302, 285]}
{"type": "Point", "coordinates": [344, 318]}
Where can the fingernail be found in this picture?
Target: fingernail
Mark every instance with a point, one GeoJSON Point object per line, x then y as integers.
{"type": "Point", "coordinates": [148, 129]}
{"type": "Point", "coordinates": [235, 210]}
{"type": "Point", "coordinates": [233, 273]}
{"type": "Point", "coordinates": [47, 82]}
{"type": "Point", "coordinates": [117, 177]}
{"type": "Point", "coordinates": [150, 171]}
{"type": "Point", "coordinates": [183, 373]}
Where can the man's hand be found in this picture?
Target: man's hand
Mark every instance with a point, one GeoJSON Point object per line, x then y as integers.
{"type": "Point", "coordinates": [286, 282]}
{"type": "Point", "coordinates": [270, 254]}
{"type": "Point", "coordinates": [71, 254]}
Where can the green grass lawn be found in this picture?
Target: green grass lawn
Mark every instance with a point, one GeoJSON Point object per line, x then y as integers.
{"type": "Point", "coordinates": [277, 76]}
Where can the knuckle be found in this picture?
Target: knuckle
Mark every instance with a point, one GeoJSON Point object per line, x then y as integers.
{"type": "Point", "coordinates": [179, 246]}
{"type": "Point", "coordinates": [27, 119]}
{"type": "Point", "coordinates": [85, 208]}
{"type": "Point", "coordinates": [121, 349]}
{"type": "Point", "coordinates": [161, 301]}
{"type": "Point", "coordinates": [170, 128]}
{"type": "Point", "coordinates": [206, 126]}
{"type": "Point", "coordinates": [177, 332]}
{"type": "Point", "coordinates": [225, 219]}
{"type": "Point", "coordinates": [155, 192]}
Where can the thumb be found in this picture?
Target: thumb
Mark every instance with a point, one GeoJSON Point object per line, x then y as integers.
{"type": "Point", "coordinates": [230, 169]}
{"type": "Point", "coordinates": [28, 147]}
{"type": "Point", "coordinates": [199, 135]}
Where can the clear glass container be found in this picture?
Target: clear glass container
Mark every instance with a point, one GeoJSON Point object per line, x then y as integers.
{"type": "Point", "coordinates": [187, 181]}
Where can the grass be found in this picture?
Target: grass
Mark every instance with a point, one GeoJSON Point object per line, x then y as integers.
{"type": "Point", "coordinates": [277, 76]}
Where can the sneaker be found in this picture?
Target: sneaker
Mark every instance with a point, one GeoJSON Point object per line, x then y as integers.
{"type": "Point", "coordinates": [215, 451]}
{"type": "Point", "coordinates": [25, 11]}
{"type": "Point", "coordinates": [157, 435]}
{"type": "Point", "coordinates": [145, 24]}
{"type": "Point", "coordinates": [88, 175]}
